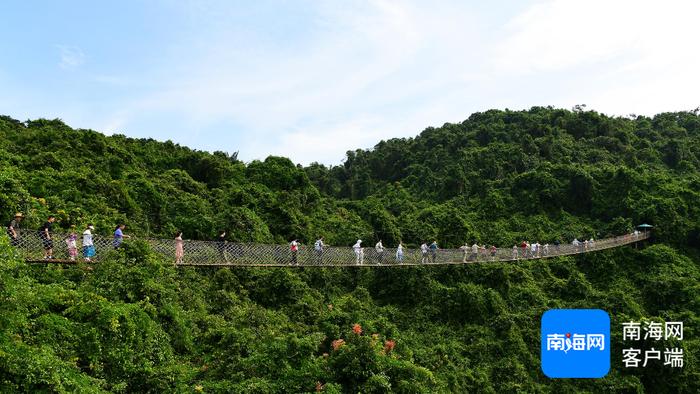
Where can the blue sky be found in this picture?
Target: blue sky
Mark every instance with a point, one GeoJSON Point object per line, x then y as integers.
{"type": "Point", "coordinates": [310, 80]}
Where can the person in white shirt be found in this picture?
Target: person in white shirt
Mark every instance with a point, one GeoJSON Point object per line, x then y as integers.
{"type": "Point", "coordinates": [88, 245]}
{"type": "Point", "coordinates": [359, 253]}
{"type": "Point", "coordinates": [424, 253]}
{"type": "Point", "coordinates": [465, 252]}
{"type": "Point", "coordinates": [379, 249]}
{"type": "Point", "coordinates": [318, 248]}
{"type": "Point", "coordinates": [399, 253]}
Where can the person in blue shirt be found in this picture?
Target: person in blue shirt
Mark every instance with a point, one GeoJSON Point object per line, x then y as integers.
{"type": "Point", "coordinates": [433, 250]}
{"type": "Point", "coordinates": [119, 236]}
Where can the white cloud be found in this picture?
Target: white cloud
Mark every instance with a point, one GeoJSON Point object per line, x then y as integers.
{"type": "Point", "coordinates": [364, 72]}
{"type": "Point", "coordinates": [620, 57]}
{"type": "Point", "coordinates": [561, 34]}
{"type": "Point", "coordinates": [71, 56]}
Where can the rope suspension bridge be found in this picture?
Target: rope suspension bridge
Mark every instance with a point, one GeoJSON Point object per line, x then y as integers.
{"type": "Point", "coordinates": [220, 254]}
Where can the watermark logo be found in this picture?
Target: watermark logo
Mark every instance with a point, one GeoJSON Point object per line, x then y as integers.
{"type": "Point", "coordinates": [654, 332]}
{"type": "Point", "coordinates": [575, 343]}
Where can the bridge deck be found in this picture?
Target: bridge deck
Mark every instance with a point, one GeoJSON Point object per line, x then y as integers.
{"type": "Point", "coordinates": [214, 254]}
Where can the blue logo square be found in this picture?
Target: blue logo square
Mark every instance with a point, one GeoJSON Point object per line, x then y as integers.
{"type": "Point", "coordinates": [575, 343]}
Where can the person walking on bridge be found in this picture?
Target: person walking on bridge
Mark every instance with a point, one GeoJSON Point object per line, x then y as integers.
{"type": "Point", "coordinates": [294, 250]}
{"type": "Point", "coordinates": [88, 245]}
{"type": "Point", "coordinates": [13, 229]}
{"type": "Point", "coordinates": [179, 248]}
{"type": "Point", "coordinates": [535, 250]}
{"type": "Point", "coordinates": [433, 251]}
{"type": "Point", "coordinates": [72, 244]}
{"type": "Point", "coordinates": [465, 252]}
{"type": "Point", "coordinates": [45, 236]}
{"type": "Point", "coordinates": [318, 248]}
{"type": "Point", "coordinates": [424, 253]}
{"type": "Point", "coordinates": [221, 245]}
{"type": "Point", "coordinates": [119, 236]}
{"type": "Point", "coordinates": [379, 250]}
{"type": "Point", "coordinates": [576, 244]}
{"type": "Point", "coordinates": [359, 253]}
{"type": "Point", "coordinates": [399, 253]}
{"type": "Point", "coordinates": [524, 246]}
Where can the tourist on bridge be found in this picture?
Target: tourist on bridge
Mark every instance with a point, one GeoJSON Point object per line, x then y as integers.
{"type": "Point", "coordinates": [45, 236]}
{"type": "Point", "coordinates": [433, 251]}
{"type": "Point", "coordinates": [475, 252]}
{"type": "Point", "coordinates": [399, 253]}
{"type": "Point", "coordinates": [221, 245]}
{"type": "Point", "coordinates": [318, 248]}
{"type": "Point", "coordinates": [179, 248]}
{"type": "Point", "coordinates": [72, 244]}
{"type": "Point", "coordinates": [13, 229]}
{"type": "Point", "coordinates": [294, 250]}
{"type": "Point", "coordinates": [535, 249]}
{"type": "Point", "coordinates": [379, 250]}
{"type": "Point", "coordinates": [515, 252]}
{"type": "Point", "coordinates": [119, 236]}
{"type": "Point", "coordinates": [88, 245]}
{"type": "Point", "coordinates": [545, 249]}
{"type": "Point", "coordinates": [465, 252]}
{"type": "Point", "coordinates": [359, 253]}
{"type": "Point", "coordinates": [576, 244]}
{"type": "Point", "coordinates": [424, 253]}
{"type": "Point", "coordinates": [524, 246]}
{"type": "Point", "coordinates": [557, 243]}
{"type": "Point", "coordinates": [493, 252]}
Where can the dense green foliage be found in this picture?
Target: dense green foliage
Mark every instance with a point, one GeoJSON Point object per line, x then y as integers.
{"type": "Point", "coordinates": [138, 324]}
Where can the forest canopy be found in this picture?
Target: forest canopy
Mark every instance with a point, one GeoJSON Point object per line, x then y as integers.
{"type": "Point", "coordinates": [138, 324]}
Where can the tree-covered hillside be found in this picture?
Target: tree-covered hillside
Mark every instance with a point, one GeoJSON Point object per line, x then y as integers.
{"type": "Point", "coordinates": [138, 324]}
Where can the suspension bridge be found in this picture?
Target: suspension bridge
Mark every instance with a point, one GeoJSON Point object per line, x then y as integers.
{"type": "Point", "coordinates": [228, 254]}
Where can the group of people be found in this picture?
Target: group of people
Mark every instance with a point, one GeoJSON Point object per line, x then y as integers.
{"type": "Point", "coordinates": [429, 252]}
{"type": "Point", "coordinates": [45, 233]}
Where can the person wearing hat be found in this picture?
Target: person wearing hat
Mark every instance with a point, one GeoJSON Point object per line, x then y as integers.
{"type": "Point", "coordinates": [88, 245]}
{"type": "Point", "coordinates": [13, 229]}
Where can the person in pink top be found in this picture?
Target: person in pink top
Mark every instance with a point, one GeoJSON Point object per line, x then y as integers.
{"type": "Point", "coordinates": [72, 245]}
{"type": "Point", "coordinates": [179, 248]}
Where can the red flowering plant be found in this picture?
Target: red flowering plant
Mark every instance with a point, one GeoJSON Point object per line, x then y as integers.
{"type": "Point", "coordinates": [389, 346]}
{"type": "Point", "coordinates": [337, 344]}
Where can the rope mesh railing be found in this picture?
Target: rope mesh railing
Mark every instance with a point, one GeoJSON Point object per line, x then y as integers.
{"type": "Point", "coordinates": [208, 253]}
